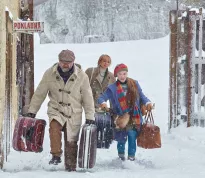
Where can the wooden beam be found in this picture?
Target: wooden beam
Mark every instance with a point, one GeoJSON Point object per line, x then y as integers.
{"type": "Point", "coordinates": [172, 67]}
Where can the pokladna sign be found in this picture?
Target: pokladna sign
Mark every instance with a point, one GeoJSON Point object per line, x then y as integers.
{"type": "Point", "coordinates": [28, 26]}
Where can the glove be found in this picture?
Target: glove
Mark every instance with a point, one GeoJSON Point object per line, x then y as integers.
{"type": "Point", "coordinates": [89, 122]}
{"type": "Point", "coordinates": [104, 107]}
{"type": "Point", "coordinates": [32, 115]}
{"type": "Point", "coordinates": [149, 107]}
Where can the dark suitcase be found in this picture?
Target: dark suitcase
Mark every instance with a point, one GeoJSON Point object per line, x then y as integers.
{"type": "Point", "coordinates": [28, 134]}
{"type": "Point", "coordinates": [87, 146]}
{"type": "Point", "coordinates": [104, 130]}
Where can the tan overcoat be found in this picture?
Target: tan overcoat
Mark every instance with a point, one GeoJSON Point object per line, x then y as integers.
{"type": "Point", "coordinates": [66, 100]}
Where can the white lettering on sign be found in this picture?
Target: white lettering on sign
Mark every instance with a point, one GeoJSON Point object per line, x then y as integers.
{"type": "Point", "coordinates": [29, 26]}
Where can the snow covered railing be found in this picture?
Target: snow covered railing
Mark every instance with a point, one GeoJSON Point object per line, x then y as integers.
{"type": "Point", "coordinates": [187, 67]}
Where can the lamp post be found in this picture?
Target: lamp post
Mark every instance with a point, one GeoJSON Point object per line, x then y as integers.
{"type": "Point", "coordinates": [177, 5]}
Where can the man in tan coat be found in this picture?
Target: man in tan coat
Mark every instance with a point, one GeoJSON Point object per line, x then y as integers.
{"type": "Point", "coordinates": [69, 90]}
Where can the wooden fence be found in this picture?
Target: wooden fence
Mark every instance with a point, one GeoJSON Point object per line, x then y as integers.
{"type": "Point", "coordinates": [187, 67]}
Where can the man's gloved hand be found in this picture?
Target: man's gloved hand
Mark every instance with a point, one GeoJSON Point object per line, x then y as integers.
{"type": "Point", "coordinates": [32, 115]}
{"type": "Point", "coordinates": [89, 122]}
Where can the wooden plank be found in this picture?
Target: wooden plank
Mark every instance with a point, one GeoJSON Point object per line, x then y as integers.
{"type": "Point", "coordinates": [28, 58]}
{"type": "Point", "coordinates": [190, 67]}
{"type": "Point", "coordinates": [172, 67]}
{"type": "Point", "coordinates": [200, 60]}
{"type": "Point", "coordinates": [8, 88]}
{"type": "Point", "coordinates": [31, 52]}
{"type": "Point", "coordinates": [182, 68]}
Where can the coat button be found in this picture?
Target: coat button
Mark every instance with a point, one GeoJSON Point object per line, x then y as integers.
{"type": "Point", "coordinates": [72, 80]}
{"type": "Point", "coordinates": [60, 102]}
{"type": "Point", "coordinates": [68, 104]}
{"type": "Point", "coordinates": [60, 90]}
{"type": "Point", "coordinates": [69, 92]}
{"type": "Point", "coordinates": [57, 78]}
{"type": "Point", "coordinates": [69, 117]}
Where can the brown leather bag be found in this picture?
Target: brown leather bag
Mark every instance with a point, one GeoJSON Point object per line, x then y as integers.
{"type": "Point", "coordinates": [149, 137]}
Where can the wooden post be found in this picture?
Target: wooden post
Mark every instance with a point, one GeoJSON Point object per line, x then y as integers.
{"type": "Point", "coordinates": [8, 89]}
{"type": "Point", "coordinates": [28, 58]}
{"type": "Point", "coordinates": [172, 67]}
{"type": "Point", "coordinates": [200, 59]}
{"type": "Point", "coordinates": [181, 68]}
{"type": "Point", "coordinates": [31, 61]}
{"type": "Point", "coordinates": [190, 66]}
{"type": "Point", "coordinates": [19, 76]}
{"type": "Point", "coordinates": [22, 84]}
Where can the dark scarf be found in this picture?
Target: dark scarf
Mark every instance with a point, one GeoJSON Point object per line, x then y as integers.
{"type": "Point", "coordinates": [127, 102]}
{"type": "Point", "coordinates": [65, 75]}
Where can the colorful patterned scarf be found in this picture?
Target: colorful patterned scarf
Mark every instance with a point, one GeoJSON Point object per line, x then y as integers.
{"type": "Point", "coordinates": [124, 106]}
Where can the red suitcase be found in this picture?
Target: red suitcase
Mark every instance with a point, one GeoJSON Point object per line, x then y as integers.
{"type": "Point", "coordinates": [87, 146]}
{"type": "Point", "coordinates": [29, 134]}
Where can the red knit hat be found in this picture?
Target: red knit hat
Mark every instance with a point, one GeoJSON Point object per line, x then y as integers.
{"type": "Point", "coordinates": [119, 68]}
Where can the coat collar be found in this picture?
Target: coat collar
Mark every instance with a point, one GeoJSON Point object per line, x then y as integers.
{"type": "Point", "coordinates": [75, 73]}
{"type": "Point", "coordinates": [96, 76]}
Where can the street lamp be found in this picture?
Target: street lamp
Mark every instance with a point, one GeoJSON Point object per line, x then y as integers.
{"type": "Point", "coordinates": [177, 4]}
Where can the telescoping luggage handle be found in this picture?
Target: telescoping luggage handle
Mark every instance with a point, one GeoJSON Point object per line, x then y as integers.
{"type": "Point", "coordinates": [87, 150]}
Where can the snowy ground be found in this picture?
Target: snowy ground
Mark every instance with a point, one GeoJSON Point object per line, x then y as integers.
{"type": "Point", "coordinates": [183, 150]}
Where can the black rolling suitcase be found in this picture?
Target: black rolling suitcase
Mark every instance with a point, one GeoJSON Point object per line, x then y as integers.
{"type": "Point", "coordinates": [104, 129]}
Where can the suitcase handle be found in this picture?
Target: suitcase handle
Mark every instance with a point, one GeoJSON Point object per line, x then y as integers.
{"type": "Point", "coordinates": [149, 117]}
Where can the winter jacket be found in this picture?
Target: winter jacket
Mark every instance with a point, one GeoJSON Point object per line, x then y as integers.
{"type": "Point", "coordinates": [98, 87]}
{"type": "Point", "coordinates": [66, 99]}
{"type": "Point", "coordinates": [111, 95]}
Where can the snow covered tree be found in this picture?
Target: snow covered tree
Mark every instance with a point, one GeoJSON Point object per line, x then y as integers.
{"type": "Point", "coordinates": [103, 20]}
